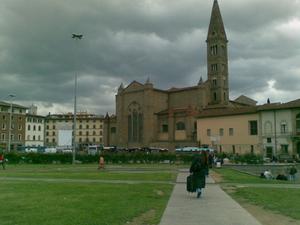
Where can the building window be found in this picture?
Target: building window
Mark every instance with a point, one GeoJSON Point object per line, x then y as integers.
{"type": "Point", "coordinates": [94, 126]}
{"type": "Point", "coordinates": [135, 123]}
{"type": "Point", "coordinates": [80, 140]}
{"type": "Point", "coordinates": [215, 96]}
{"type": "Point", "coordinates": [214, 82]}
{"type": "Point", "coordinates": [20, 127]}
{"type": "Point", "coordinates": [283, 127]}
{"type": "Point", "coordinates": [87, 126]}
{"type": "Point", "coordinates": [269, 140]}
{"type": "Point", "coordinates": [39, 137]}
{"type": "Point", "coordinates": [47, 127]}
{"type": "Point", "coordinates": [101, 132]}
{"type": "Point", "coordinates": [221, 131]}
{"type": "Point", "coordinates": [53, 133]}
{"type": "Point", "coordinates": [28, 127]}
{"type": "Point", "coordinates": [53, 127]}
{"type": "Point", "coordinates": [34, 127]}
{"type": "Point", "coordinates": [233, 149]}
{"type": "Point", "coordinates": [298, 123]}
{"type": "Point", "coordinates": [94, 140]}
{"type": "Point", "coordinates": [253, 127]}
{"type": "Point", "coordinates": [100, 140]}
{"type": "Point", "coordinates": [231, 131]}
{"type": "Point", "coordinates": [165, 128]}
{"type": "Point", "coordinates": [252, 149]}
{"type": "Point", "coordinates": [214, 50]}
{"type": "Point", "coordinates": [94, 132]}
{"type": "Point", "coordinates": [214, 67]}
{"type": "Point", "coordinates": [33, 138]}
{"type": "Point", "coordinates": [2, 137]}
{"type": "Point", "coordinates": [113, 130]}
{"type": "Point", "coordinates": [268, 127]}
{"type": "Point", "coordinates": [53, 140]}
{"type": "Point", "coordinates": [80, 126]}
{"type": "Point", "coordinates": [180, 126]}
{"type": "Point", "coordinates": [47, 140]}
{"type": "Point", "coordinates": [208, 132]}
{"type": "Point", "coordinates": [80, 133]}
{"type": "Point", "coordinates": [101, 126]}
{"type": "Point", "coordinates": [47, 133]}
{"type": "Point", "coordinates": [3, 126]}
{"type": "Point", "coordinates": [39, 128]}
{"type": "Point", "coordinates": [284, 149]}
{"type": "Point", "coordinates": [87, 133]}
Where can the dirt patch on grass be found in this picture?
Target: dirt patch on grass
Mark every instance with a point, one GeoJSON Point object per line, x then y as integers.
{"type": "Point", "coordinates": [143, 219]}
{"type": "Point", "coordinates": [267, 217]}
{"type": "Point", "coordinates": [217, 177]}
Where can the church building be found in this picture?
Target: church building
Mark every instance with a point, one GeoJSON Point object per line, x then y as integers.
{"type": "Point", "coordinates": [150, 117]}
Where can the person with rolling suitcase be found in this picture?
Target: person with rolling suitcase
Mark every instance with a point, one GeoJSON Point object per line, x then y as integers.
{"type": "Point", "coordinates": [198, 172]}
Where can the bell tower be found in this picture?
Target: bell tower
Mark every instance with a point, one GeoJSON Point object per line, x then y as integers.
{"type": "Point", "coordinates": [217, 58]}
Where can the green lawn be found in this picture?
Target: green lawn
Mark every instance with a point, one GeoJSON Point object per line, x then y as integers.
{"type": "Point", "coordinates": [283, 201]}
{"type": "Point", "coordinates": [90, 172]}
{"type": "Point", "coordinates": [79, 203]}
{"type": "Point", "coordinates": [234, 176]}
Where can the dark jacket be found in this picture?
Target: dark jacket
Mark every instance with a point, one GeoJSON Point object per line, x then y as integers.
{"type": "Point", "coordinates": [198, 170]}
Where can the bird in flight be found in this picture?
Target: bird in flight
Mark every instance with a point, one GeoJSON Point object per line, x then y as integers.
{"type": "Point", "coordinates": [77, 36]}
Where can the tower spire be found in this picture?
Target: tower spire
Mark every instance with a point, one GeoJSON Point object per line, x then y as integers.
{"type": "Point", "coordinates": [216, 26]}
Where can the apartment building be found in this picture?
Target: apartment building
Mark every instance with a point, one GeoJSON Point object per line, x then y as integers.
{"type": "Point", "coordinates": [34, 128]}
{"type": "Point", "coordinates": [15, 115]}
{"type": "Point", "coordinates": [59, 129]}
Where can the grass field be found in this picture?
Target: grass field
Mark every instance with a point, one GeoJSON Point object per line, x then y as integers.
{"type": "Point", "coordinates": [234, 176]}
{"type": "Point", "coordinates": [279, 200]}
{"type": "Point", "coordinates": [45, 202]}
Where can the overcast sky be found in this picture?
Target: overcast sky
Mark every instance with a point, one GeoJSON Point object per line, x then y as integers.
{"type": "Point", "coordinates": [126, 40]}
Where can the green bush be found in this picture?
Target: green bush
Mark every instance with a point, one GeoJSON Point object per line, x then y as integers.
{"type": "Point", "coordinates": [120, 157]}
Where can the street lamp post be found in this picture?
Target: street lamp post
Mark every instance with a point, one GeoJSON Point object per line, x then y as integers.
{"type": "Point", "coordinates": [11, 96]}
{"type": "Point", "coordinates": [75, 37]}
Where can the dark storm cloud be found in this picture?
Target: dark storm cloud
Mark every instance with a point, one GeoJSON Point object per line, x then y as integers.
{"type": "Point", "coordinates": [126, 40]}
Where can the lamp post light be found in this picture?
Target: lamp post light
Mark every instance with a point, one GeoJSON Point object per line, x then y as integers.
{"type": "Point", "coordinates": [11, 96]}
{"type": "Point", "coordinates": [75, 37]}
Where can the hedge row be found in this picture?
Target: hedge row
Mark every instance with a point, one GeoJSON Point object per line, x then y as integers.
{"type": "Point", "coordinates": [40, 158]}
{"type": "Point", "coordinates": [138, 157]}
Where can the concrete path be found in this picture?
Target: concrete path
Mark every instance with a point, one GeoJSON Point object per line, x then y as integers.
{"type": "Point", "coordinates": [215, 207]}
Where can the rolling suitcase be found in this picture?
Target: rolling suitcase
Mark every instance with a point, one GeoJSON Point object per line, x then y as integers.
{"type": "Point", "coordinates": [189, 184]}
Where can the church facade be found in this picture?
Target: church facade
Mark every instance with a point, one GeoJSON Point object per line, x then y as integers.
{"type": "Point", "coordinates": [150, 117]}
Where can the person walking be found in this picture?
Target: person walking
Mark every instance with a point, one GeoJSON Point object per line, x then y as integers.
{"type": "Point", "coordinates": [198, 170]}
{"type": "Point", "coordinates": [101, 163]}
{"type": "Point", "coordinates": [2, 160]}
{"type": "Point", "coordinates": [292, 173]}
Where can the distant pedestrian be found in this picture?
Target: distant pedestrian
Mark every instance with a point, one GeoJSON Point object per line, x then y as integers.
{"type": "Point", "coordinates": [198, 169]}
{"type": "Point", "coordinates": [2, 160]}
{"type": "Point", "coordinates": [268, 175]}
{"type": "Point", "coordinates": [292, 173]}
{"type": "Point", "coordinates": [101, 163]}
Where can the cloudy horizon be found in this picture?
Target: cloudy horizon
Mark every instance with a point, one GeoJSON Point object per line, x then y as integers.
{"type": "Point", "coordinates": [126, 40]}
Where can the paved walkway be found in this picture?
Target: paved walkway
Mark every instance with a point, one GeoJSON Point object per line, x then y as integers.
{"type": "Point", "coordinates": [214, 207]}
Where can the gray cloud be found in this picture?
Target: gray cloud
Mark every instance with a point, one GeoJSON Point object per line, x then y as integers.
{"type": "Point", "coordinates": [127, 40]}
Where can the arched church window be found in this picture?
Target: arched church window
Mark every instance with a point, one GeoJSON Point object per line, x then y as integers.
{"type": "Point", "coordinates": [135, 122]}
{"type": "Point", "coordinates": [298, 123]}
{"type": "Point", "coordinates": [215, 96]}
{"type": "Point", "coordinates": [180, 126]}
